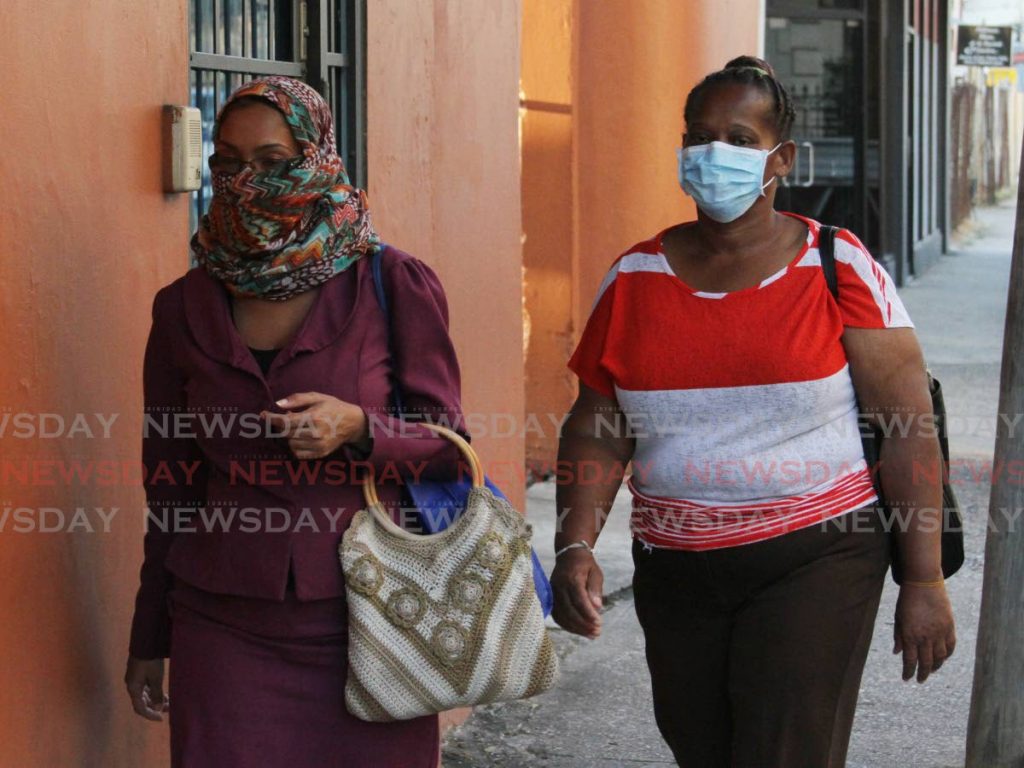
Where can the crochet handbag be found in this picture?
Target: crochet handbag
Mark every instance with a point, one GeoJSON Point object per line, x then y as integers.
{"type": "Point", "coordinates": [439, 502]}
{"type": "Point", "coordinates": [871, 439]}
{"type": "Point", "coordinates": [445, 620]}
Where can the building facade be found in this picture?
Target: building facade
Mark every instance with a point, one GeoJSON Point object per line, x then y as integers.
{"type": "Point", "coordinates": [516, 146]}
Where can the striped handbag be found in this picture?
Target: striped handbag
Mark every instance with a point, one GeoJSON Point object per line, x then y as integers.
{"type": "Point", "coordinates": [445, 620]}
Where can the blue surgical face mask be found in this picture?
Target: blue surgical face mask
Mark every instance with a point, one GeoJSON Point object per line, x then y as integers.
{"type": "Point", "coordinates": [722, 179]}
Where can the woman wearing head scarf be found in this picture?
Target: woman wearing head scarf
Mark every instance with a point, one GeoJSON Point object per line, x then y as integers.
{"type": "Point", "coordinates": [267, 379]}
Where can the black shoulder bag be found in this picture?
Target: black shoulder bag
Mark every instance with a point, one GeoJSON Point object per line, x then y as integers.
{"type": "Point", "coordinates": [871, 437]}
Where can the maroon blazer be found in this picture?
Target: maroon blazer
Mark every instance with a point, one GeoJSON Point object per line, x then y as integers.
{"type": "Point", "coordinates": [230, 507]}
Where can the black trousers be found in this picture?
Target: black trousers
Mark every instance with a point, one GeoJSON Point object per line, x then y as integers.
{"type": "Point", "coordinates": [756, 651]}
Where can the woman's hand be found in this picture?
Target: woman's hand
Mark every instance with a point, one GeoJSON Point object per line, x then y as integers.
{"type": "Point", "coordinates": [325, 424]}
{"type": "Point", "coordinates": [577, 583]}
{"type": "Point", "coordinates": [924, 630]}
{"type": "Point", "coordinates": [145, 681]}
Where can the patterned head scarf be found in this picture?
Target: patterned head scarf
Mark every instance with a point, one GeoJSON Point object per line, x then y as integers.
{"type": "Point", "coordinates": [275, 234]}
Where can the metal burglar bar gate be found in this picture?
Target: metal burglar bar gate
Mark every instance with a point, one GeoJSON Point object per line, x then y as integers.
{"type": "Point", "coordinates": [319, 41]}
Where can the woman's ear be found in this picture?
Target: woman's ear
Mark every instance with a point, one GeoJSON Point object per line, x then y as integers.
{"type": "Point", "coordinates": [782, 159]}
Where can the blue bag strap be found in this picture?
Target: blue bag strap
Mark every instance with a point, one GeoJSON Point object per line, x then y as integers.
{"type": "Point", "coordinates": [378, 282]}
{"type": "Point", "coordinates": [382, 300]}
{"type": "Point", "coordinates": [540, 580]}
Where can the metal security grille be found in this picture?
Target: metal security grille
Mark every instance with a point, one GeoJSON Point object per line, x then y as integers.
{"type": "Point", "coordinates": [319, 41]}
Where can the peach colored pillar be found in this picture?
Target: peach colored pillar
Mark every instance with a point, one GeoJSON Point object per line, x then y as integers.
{"type": "Point", "coordinates": [88, 239]}
{"type": "Point", "coordinates": [549, 220]}
{"type": "Point", "coordinates": [443, 169]}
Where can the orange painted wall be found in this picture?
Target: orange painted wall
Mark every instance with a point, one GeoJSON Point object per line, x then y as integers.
{"type": "Point", "coordinates": [88, 239]}
{"type": "Point", "coordinates": [549, 203]}
{"type": "Point", "coordinates": [443, 141]}
{"type": "Point", "coordinates": [626, 76]}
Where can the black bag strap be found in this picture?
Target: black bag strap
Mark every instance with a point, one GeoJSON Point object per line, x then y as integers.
{"type": "Point", "coordinates": [827, 251]}
{"type": "Point", "coordinates": [952, 533]}
{"type": "Point", "coordinates": [870, 438]}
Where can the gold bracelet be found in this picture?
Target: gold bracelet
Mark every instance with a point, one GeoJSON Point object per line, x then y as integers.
{"type": "Point", "coordinates": [936, 583]}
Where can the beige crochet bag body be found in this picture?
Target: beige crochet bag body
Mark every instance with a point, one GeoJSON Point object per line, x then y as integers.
{"type": "Point", "coordinates": [445, 620]}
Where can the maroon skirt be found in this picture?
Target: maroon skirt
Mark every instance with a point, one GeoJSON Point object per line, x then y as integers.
{"type": "Point", "coordinates": [256, 682]}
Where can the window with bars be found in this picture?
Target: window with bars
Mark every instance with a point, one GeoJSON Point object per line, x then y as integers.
{"type": "Point", "coordinates": [319, 41]}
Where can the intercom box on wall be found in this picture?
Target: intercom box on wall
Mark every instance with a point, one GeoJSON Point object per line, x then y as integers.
{"type": "Point", "coordinates": [183, 148]}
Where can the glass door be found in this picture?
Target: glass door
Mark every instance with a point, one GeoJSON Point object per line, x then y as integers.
{"type": "Point", "coordinates": [820, 57]}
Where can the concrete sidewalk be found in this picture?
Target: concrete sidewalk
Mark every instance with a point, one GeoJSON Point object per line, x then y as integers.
{"type": "Point", "coordinates": [600, 713]}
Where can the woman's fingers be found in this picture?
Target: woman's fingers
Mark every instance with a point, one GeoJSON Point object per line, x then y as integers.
{"type": "Point", "coordinates": [291, 425]}
{"type": "Point", "coordinates": [909, 660]}
{"type": "Point", "coordinates": [566, 614]}
{"type": "Point", "coordinates": [320, 428]}
{"type": "Point", "coordinates": [925, 658]}
{"type": "Point", "coordinates": [140, 702]}
{"type": "Point", "coordinates": [155, 703]}
{"type": "Point", "coordinates": [576, 609]}
{"type": "Point", "coordinates": [305, 448]}
{"type": "Point", "coordinates": [595, 590]}
{"type": "Point", "coordinates": [925, 630]}
{"type": "Point", "coordinates": [939, 654]}
{"type": "Point", "coordinates": [144, 679]}
{"type": "Point", "coordinates": [148, 699]}
{"type": "Point", "coordinates": [581, 601]}
{"type": "Point", "coordinates": [302, 399]}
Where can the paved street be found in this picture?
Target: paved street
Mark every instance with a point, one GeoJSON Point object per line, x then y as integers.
{"type": "Point", "coordinates": [600, 713]}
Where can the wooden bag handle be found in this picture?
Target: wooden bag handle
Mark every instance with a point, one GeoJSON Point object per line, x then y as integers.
{"type": "Point", "coordinates": [370, 486]}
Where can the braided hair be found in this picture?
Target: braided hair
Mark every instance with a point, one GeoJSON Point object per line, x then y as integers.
{"type": "Point", "coordinates": [748, 70]}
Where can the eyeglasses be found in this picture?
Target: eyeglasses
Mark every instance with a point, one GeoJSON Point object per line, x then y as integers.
{"type": "Point", "coordinates": [233, 165]}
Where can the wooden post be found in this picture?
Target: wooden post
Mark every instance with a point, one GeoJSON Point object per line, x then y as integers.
{"type": "Point", "coordinates": [990, 146]}
{"type": "Point", "coordinates": [995, 730]}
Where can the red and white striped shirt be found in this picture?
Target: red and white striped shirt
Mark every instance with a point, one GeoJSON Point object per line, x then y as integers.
{"type": "Point", "coordinates": [742, 405]}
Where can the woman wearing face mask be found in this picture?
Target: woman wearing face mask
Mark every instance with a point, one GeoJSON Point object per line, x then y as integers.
{"type": "Point", "coordinates": [267, 380]}
{"type": "Point", "coordinates": [759, 556]}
